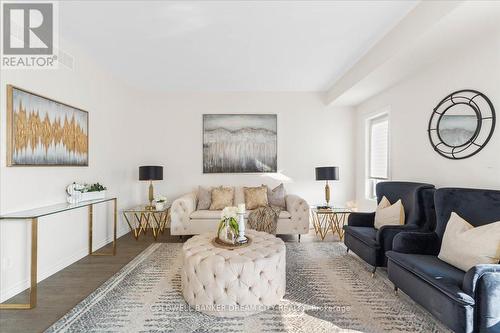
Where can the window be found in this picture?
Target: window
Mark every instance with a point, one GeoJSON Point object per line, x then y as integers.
{"type": "Point", "coordinates": [378, 152]}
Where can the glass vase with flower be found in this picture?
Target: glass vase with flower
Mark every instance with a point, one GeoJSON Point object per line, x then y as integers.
{"type": "Point", "coordinates": [228, 227]}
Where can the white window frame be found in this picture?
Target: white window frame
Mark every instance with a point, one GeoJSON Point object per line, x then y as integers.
{"type": "Point", "coordinates": [371, 182]}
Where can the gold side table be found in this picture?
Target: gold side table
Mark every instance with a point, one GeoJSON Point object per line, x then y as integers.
{"type": "Point", "coordinates": [140, 219]}
{"type": "Point", "coordinates": [325, 220]}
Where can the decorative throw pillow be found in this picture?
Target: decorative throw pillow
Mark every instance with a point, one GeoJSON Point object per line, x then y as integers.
{"type": "Point", "coordinates": [276, 196]}
{"type": "Point", "coordinates": [255, 197]}
{"type": "Point", "coordinates": [222, 197]}
{"type": "Point", "coordinates": [204, 198]}
{"type": "Point", "coordinates": [387, 214]}
{"type": "Point", "coordinates": [465, 246]}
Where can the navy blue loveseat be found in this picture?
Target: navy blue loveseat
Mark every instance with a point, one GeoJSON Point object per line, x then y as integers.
{"type": "Point", "coordinates": [464, 301]}
{"type": "Point", "coordinates": [371, 244]}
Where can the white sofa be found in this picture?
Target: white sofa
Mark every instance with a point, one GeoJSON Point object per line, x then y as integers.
{"type": "Point", "coordinates": [186, 220]}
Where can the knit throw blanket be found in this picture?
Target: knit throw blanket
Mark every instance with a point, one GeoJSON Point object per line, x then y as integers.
{"type": "Point", "coordinates": [264, 219]}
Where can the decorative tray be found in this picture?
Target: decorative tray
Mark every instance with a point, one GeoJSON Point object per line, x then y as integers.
{"type": "Point", "coordinates": [220, 244]}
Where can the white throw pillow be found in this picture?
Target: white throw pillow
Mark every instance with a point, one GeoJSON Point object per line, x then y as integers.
{"type": "Point", "coordinates": [465, 246]}
{"type": "Point", "coordinates": [387, 214]}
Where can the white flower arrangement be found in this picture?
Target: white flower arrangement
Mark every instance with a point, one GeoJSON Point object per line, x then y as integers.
{"type": "Point", "coordinates": [160, 199]}
{"type": "Point", "coordinates": [229, 212]}
{"type": "Point", "coordinates": [228, 227]}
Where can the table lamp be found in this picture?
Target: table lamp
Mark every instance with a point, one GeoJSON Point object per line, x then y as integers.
{"type": "Point", "coordinates": [327, 173]}
{"type": "Point", "coordinates": [150, 173]}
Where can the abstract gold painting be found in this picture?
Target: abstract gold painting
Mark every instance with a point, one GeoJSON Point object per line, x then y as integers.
{"type": "Point", "coordinates": [44, 132]}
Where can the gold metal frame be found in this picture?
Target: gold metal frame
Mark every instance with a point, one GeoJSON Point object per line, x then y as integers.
{"type": "Point", "coordinates": [10, 132]}
{"type": "Point", "coordinates": [326, 220]}
{"type": "Point", "coordinates": [34, 257]}
{"type": "Point", "coordinates": [91, 214]}
{"type": "Point", "coordinates": [139, 220]}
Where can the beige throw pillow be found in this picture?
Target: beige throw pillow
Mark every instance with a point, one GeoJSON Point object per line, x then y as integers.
{"type": "Point", "coordinates": [204, 198]}
{"type": "Point", "coordinates": [387, 214]}
{"type": "Point", "coordinates": [222, 197]}
{"type": "Point", "coordinates": [276, 196]}
{"type": "Point", "coordinates": [465, 246]}
{"type": "Point", "coordinates": [255, 197]}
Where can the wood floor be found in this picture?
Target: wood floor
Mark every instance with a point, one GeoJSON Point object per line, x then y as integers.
{"type": "Point", "coordinates": [62, 291]}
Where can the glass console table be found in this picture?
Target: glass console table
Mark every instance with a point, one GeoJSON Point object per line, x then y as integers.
{"type": "Point", "coordinates": [33, 215]}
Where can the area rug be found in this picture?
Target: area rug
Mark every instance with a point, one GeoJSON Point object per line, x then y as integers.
{"type": "Point", "coordinates": [327, 291]}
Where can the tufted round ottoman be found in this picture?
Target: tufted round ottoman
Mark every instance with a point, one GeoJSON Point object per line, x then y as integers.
{"type": "Point", "coordinates": [232, 283]}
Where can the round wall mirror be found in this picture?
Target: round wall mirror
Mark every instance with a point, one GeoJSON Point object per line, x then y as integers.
{"type": "Point", "coordinates": [461, 124]}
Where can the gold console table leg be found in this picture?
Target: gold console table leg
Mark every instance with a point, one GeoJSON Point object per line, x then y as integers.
{"type": "Point", "coordinates": [91, 215]}
{"type": "Point", "coordinates": [33, 272]}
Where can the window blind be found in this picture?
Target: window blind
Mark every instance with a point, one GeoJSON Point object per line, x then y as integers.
{"type": "Point", "coordinates": [379, 148]}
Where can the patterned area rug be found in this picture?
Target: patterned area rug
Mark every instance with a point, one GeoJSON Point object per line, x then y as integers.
{"type": "Point", "coordinates": [327, 291]}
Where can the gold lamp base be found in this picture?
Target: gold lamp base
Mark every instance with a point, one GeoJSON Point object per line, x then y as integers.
{"type": "Point", "coordinates": [327, 194]}
{"type": "Point", "coordinates": [151, 197]}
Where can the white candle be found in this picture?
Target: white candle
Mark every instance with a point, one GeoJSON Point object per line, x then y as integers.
{"type": "Point", "coordinates": [241, 208]}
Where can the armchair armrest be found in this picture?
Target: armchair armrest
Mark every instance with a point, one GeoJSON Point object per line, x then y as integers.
{"type": "Point", "coordinates": [180, 211]}
{"type": "Point", "coordinates": [299, 211]}
{"type": "Point", "coordinates": [482, 282]}
{"type": "Point", "coordinates": [361, 220]}
{"type": "Point", "coordinates": [386, 234]}
{"type": "Point", "coordinates": [415, 242]}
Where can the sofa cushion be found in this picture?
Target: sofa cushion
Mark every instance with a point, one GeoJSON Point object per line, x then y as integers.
{"type": "Point", "coordinates": [365, 234]}
{"type": "Point", "coordinates": [204, 197]}
{"type": "Point", "coordinates": [276, 196]}
{"type": "Point", "coordinates": [440, 275]}
{"type": "Point", "coordinates": [388, 214]}
{"type": "Point", "coordinates": [239, 195]}
{"type": "Point", "coordinates": [216, 214]}
{"type": "Point", "coordinates": [255, 197]}
{"type": "Point", "coordinates": [465, 246]}
{"type": "Point", "coordinates": [222, 197]}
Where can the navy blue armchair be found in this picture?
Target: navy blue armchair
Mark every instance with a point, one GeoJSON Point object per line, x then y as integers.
{"type": "Point", "coordinates": [371, 244]}
{"type": "Point", "coordinates": [464, 301]}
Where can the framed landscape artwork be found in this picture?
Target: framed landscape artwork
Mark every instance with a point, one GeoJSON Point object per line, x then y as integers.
{"type": "Point", "coordinates": [44, 132]}
{"type": "Point", "coordinates": [239, 143]}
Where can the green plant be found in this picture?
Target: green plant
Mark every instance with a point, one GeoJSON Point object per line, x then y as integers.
{"type": "Point", "coordinates": [160, 199]}
{"type": "Point", "coordinates": [92, 188]}
{"type": "Point", "coordinates": [231, 222]}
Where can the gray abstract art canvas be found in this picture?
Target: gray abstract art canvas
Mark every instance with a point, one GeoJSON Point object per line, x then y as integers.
{"type": "Point", "coordinates": [239, 143]}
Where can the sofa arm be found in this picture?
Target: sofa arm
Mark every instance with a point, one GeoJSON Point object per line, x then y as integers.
{"type": "Point", "coordinates": [482, 282]}
{"type": "Point", "coordinates": [361, 220]}
{"type": "Point", "coordinates": [180, 211]}
{"type": "Point", "coordinates": [415, 242]}
{"type": "Point", "coordinates": [299, 211]}
{"type": "Point", "coordinates": [386, 234]}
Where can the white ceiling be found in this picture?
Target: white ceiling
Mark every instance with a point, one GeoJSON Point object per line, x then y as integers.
{"type": "Point", "coordinates": [470, 23]}
{"type": "Point", "coordinates": [229, 45]}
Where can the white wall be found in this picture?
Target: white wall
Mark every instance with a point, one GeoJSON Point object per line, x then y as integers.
{"type": "Point", "coordinates": [309, 135]}
{"type": "Point", "coordinates": [129, 128]}
{"type": "Point", "coordinates": [63, 237]}
{"type": "Point", "coordinates": [411, 101]}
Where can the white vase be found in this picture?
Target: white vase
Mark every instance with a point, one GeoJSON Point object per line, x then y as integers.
{"type": "Point", "coordinates": [160, 205]}
{"type": "Point", "coordinates": [86, 196]}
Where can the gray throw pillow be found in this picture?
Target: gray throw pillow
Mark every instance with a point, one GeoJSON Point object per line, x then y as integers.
{"type": "Point", "coordinates": [276, 196]}
{"type": "Point", "coordinates": [204, 198]}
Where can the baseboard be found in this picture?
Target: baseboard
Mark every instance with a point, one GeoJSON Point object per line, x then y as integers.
{"type": "Point", "coordinates": [45, 272]}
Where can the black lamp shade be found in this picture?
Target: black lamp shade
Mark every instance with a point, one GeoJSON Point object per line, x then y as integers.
{"type": "Point", "coordinates": [327, 173]}
{"type": "Point", "coordinates": [150, 172]}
